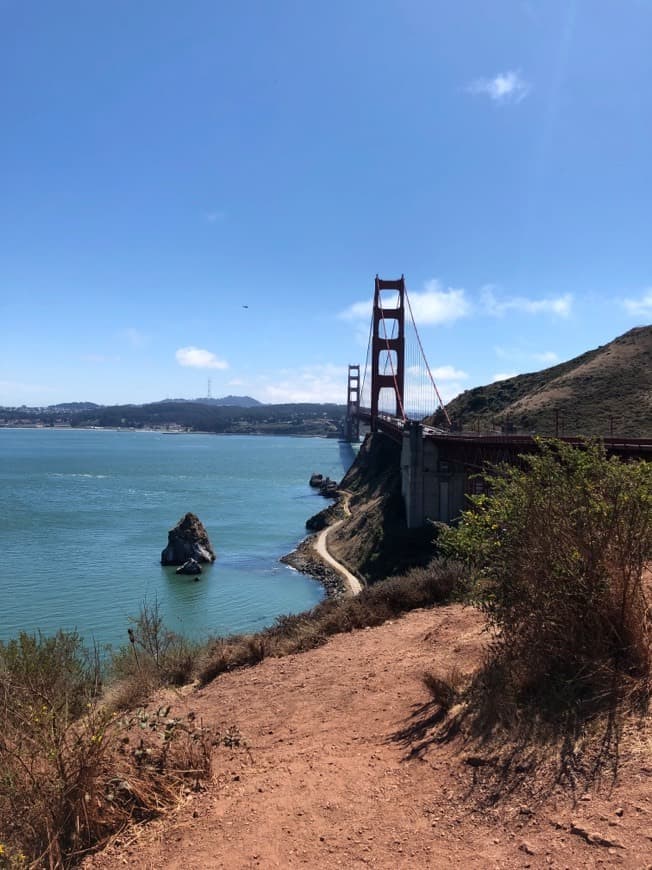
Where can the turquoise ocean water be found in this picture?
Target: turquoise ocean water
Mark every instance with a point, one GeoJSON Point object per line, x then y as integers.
{"type": "Point", "coordinates": [84, 515]}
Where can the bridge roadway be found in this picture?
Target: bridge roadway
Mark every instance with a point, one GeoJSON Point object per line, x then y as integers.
{"type": "Point", "coordinates": [395, 428]}
{"type": "Point", "coordinates": [439, 468]}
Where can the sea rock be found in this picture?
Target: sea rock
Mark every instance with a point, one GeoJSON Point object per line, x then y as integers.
{"type": "Point", "coordinates": [192, 566]}
{"type": "Point", "coordinates": [316, 480]}
{"type": "Point", "coordinates": [187, 540]}
{"type": "Point", "coordinates": [328, 488]}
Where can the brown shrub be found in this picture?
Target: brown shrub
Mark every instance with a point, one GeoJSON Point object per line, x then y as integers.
{"type": "Point", "coordinates": [71, 772]}
{"type": "Point", "coordinates": [420, 587]}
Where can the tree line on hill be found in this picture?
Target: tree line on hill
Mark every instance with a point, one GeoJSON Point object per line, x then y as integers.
{"type": "Point", "coordinates": [286, 419]}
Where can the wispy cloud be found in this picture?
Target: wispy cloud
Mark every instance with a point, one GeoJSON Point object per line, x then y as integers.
{"type": "Point", "coordinates": [444, 373]}
{"type": "Point", "coordinates": [22, 387]}
{"type": "Point", "coordinates": [503, 376]}
{"type": "Point", "coordinates": [433, 306]}
{"type": "Point", "coordinates": [505, 87]}
{"type": "Point", "coordinates": [196, 358]}
{"type": "Point", "coordinates": [315, 383]}
{"type": "Point", "coordinates": [560, 306]}
{"type": "Point", "coordinates": [640, 307]}
{"type": "Point", "coordinates": [450, 381]}
{"type": "Point", "coordinates": [134, 337]}
{"type": "Point", "coordinates": [99, 358]}
{"type": "Point", "coordinates": [214, 216]}
{"type": "Point", "coordinates": [547, 356]}
{"type": "Point", "coordinates": [516, 353]}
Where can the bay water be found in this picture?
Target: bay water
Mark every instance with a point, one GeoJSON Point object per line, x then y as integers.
{"type": "Point", "coordinates": [84, 515]}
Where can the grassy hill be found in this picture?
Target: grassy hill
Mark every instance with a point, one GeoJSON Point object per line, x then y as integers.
{"type": "Point", "coordinates": [605, 390]}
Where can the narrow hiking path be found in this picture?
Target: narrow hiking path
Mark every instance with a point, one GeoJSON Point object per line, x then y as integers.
{"type": "Point", "coordinates": [353, 585]}
{"type": "Point", "coordinates": [345, 767]}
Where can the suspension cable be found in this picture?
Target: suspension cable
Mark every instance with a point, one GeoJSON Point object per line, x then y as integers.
{"type": "Point", "coordinates": [425, 359]}
{"type": "Point", "coordinates": [366, 362]}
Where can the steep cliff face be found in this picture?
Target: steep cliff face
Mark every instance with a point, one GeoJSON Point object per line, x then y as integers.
{"type": "Point", "coordinates": [374, 541]}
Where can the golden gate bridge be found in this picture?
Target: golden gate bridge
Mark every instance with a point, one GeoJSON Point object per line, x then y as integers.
{"type": "Point", "coordinates": [396, 393]}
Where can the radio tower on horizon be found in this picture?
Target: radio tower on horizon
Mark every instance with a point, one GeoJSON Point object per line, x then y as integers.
{"type": "Point", "coordinates": [209, 390]}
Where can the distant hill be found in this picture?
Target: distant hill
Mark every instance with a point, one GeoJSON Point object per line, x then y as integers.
{"type": "Point", "coordinates": [74, 406]}
{"type": "Point", "coordinates": [605, 390]}
{"type": "Point", "coordinates": [291, 419]}
{"type": "Point", "coordinates": [196, 416]}
{"type": "Point", "coordinates": [224, 402]}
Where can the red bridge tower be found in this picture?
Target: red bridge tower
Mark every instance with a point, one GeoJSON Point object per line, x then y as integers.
{"type": "Point", "coordinates": [388, 347]}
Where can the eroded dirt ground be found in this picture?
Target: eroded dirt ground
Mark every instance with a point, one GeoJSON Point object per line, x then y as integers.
{"type": "Point", "coordinates": [346, 767]}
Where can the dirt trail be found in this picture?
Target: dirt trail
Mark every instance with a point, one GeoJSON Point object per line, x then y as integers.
{"type": "Point", "coordinates": [346, 767]}
{"type": "Point", "coordinates": [353, 585]}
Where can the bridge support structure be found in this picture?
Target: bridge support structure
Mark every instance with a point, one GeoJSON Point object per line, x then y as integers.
{"type": "Point", "coordinates": [432, 487]}
{"type": "Point", "coordinates": [352, 422]}
{"type": "Point", "coordinates": [388, 347]}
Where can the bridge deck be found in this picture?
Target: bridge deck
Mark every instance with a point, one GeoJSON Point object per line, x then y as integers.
{"type": "Point", "coordinates": [395, 427]}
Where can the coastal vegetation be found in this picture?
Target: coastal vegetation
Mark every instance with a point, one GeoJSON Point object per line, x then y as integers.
{"type": "Point", "coordinates": [605, 391]}
{"type": "Point", "coordinates": [556, 560]}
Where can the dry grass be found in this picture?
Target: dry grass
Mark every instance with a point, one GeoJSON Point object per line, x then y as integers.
{"type": "Point", "coordinates": [420, 587]}
{"type": "Point", "coordinates": [154, 657]}
{"type": "Point", "coordinates": [445, 688]}
{"type": "Point", "coordinates": [74, 769]}
{"type": "Point", "coordinates": [72, 773]}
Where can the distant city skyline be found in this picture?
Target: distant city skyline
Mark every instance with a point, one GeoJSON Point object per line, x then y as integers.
{"type": "Point", "coordinates": [208, 191]}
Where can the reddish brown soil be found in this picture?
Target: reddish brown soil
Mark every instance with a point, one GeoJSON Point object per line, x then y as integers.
{"type": "Point", "coordinates": [346, 767]}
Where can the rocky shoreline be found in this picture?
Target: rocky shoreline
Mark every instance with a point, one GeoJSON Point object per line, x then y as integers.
{"type": "Point", "coordinates": [305, 560]}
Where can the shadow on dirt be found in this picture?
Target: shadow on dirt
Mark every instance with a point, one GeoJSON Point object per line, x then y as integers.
{"type": "Point", "coordinates": [527, 751]}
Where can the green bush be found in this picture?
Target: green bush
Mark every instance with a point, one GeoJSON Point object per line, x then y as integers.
{"type": "Point", "coordinates": [556, 555]}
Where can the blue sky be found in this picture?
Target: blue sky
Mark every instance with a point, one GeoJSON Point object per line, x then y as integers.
{"type": "Point", "coordinates": [163, 164]}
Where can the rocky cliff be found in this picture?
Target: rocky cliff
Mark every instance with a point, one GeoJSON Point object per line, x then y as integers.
{"type": "Point", "coordinates": [373, 541]}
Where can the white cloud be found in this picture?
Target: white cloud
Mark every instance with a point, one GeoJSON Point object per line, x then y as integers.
{"type": "Point", "coordinates": [436, 305]}
{"type": "Point", "coordinates": [433, 306]}
{"type": "Point", "coordinates": [441, 373]}
{"type": "Point", "coordinates": [316, 383]}
{"type": "Point", "coordinates": [449, 380]}
{"type": "Point", "coordinates": [507, 87]}
{"type": "Point", "coordinates": [195, 357]}
{"type": "Point", "coordinates": [503, 376]}
{"type": "Point", "coordinates": [357, 311]}
{"type": "Point", "coordinates": [560, 305]}
{"type": "Point", "coordinates": [642, 306]}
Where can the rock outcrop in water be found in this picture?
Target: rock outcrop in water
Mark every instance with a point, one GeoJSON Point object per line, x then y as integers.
{"type": "Point", "coordinates": [192, 566]}
{"type": "Point", "coordinates": [326, 486]}
{"type": "Point", "coordinates": [187, 540]}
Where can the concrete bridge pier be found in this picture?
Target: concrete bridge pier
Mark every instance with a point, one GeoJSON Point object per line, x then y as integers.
{"type": "Point", "coordinates": [432, 488]}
